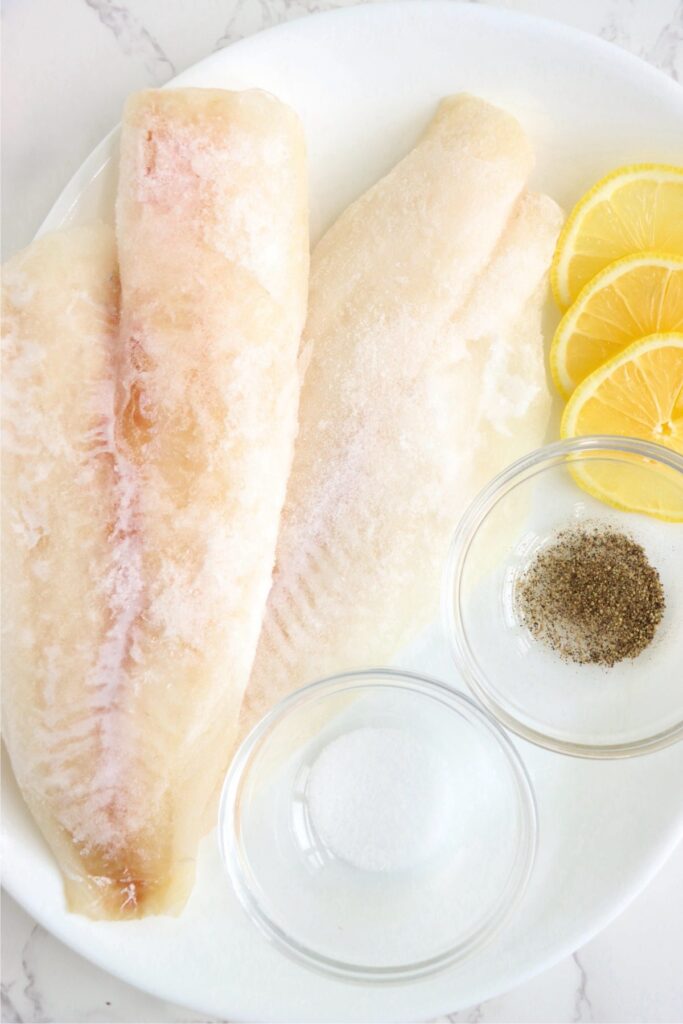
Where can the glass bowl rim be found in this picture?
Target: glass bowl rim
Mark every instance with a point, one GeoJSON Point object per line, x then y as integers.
{"type": "Point", "coordinates": [546, 457]}
{"type": "Point", "coordinates": [526, 834]}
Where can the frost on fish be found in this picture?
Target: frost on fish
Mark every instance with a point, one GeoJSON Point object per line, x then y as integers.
{"type": "Point", "coordinates": [146, 467]}
{"type": "Point", "coordinates": [59, 479]}
{"type": "Point", "coordinates": [426, 376]}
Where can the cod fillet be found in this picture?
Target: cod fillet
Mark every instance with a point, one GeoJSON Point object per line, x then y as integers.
{"type": "Point", "coordinates": [426, 376]}
{"type": "Point", "coordinates": [145, 471]}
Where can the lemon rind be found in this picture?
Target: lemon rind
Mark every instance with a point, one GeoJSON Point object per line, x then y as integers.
{"type": "Point", "coordinates": [602, 189]}
{"type": "Point", "coordinates": [558, 346]}
{"type": "Point", "coordinates": [589, 384]}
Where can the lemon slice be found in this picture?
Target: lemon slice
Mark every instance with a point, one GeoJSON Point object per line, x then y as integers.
{"type": "Point", "coordinates": [638, 393]}
{"type": "Point", "coordinates": [629, 299]}
{"type": "Point", "coordinates": [634, 209]}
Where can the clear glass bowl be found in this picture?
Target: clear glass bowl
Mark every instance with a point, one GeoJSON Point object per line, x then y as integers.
{"type": "Point", "coordinates": [587, 710]}
{"type": "Point", "coordinates": [307, 838]}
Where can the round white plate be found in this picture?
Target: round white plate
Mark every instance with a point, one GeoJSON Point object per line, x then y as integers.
{"type": "Point", "coordinates": [365, 81]}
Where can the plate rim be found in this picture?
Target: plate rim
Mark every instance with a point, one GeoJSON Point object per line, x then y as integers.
{"type": "Point", "coordinates": [62, 206]}
{"type": "Point", "coordinates": [567, 950]}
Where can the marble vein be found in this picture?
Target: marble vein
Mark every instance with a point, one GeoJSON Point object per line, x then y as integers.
{"type": "Point", "coordinates": [8, 1011]}
{"type": "Point", "coordinates": [134, 39]}
{"type": "Point", "coordinates": [472, 1014]}
{"type": "Point", "coordinates": [668, 46]}
{"type": "Point", "coordinates": [583, 1011]}
{"type": "Point", "coordinates": [30, 992]}
{"type": "Point", "coordinates": [251, 16]}
{"type": "Point", "coordinates": [613, 29]}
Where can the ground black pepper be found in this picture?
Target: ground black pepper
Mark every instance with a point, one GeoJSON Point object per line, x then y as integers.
{"type": "Point", "coordinates": [592, 596]}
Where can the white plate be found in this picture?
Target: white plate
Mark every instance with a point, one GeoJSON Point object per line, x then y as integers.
{"type": "Point", "coordinates": [365, 80]}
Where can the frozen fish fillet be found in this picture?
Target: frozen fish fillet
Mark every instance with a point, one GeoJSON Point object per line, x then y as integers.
{"type": "Point", "coordinates": [426, 372]}
{"type": "Point", "coordinates": [145, 480]}
{"type": "Point", "coordinates": [60, 323]}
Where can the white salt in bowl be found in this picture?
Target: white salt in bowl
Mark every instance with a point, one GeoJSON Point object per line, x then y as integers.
{"type": "Point", "coordinates": [587, 710]}
{"type": "Point", "coordinates": [378, 826]}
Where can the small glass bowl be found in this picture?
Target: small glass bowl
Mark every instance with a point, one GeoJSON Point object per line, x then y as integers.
{"type": "Point", "coordinates": [586, 710]}
{"type": "Point", "coordinates": [343, 909]}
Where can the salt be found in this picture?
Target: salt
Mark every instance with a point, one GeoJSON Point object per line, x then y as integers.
{"type": "Point", "coordinates": [376, 798]}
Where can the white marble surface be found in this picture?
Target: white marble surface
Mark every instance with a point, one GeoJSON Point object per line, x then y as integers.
{"type": "Point", "coordinates": [67, 66]}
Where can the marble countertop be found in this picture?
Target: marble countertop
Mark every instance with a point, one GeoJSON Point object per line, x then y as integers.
{"type": "Point", "coordinates": [67, 67]}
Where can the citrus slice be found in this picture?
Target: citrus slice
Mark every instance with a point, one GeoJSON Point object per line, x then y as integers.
{"type": "Point", "coordinates": [638, 393]}
{"type": "Point", "coordinates": [629, 299]}
{"type": "Point", "coordinates": [634, 209]}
